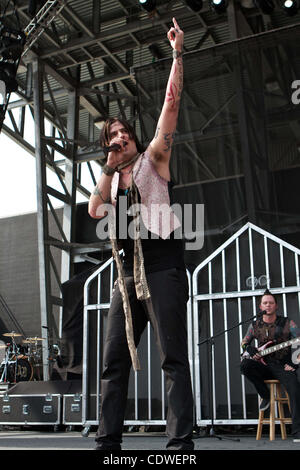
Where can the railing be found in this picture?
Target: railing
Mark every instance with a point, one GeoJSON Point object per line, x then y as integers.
{"type": "Point", "coordinates": [235, 276]}
{"type": "Point", "coordinates": [224, 292]}
{"type": "Point", "coordinates": [146, 387]}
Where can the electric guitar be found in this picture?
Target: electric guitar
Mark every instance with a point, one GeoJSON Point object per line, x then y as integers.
{"type": "Point", "coordinates": [264, 350]}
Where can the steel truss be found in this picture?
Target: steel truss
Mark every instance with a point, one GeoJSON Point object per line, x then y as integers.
{"type": "Point", "coordinates": [41, 21]}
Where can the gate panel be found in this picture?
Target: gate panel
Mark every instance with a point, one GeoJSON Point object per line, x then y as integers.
{"type": "Point", "coordinates": [146, 404]}
{"type": "Point", "coordinates": [224, 296]}
{"type": "Point", "coordinates": [226, 289]}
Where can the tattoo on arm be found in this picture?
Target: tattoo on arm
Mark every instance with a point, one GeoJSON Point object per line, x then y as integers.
{"type": "Point", "coordinates": [96, 192]}
{"type": "Point", "coordinates": [171, 94]}
{"type": "Point", "coordinates": [175, 85]}
{"type": "Point", "coordinates": [172, 97]}
{"type": "Point", "coordinates": [168, 140]}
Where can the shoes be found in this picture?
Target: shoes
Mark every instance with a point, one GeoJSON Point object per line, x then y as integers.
{"type": "Point", "coordinates": [107, 447]}
{"type": "Point", "coordinates": [180, 449]}
{"type": "Point", "coordinates": [180, 445]}
{"type": "Point", "coordinates": [296, 437]}
{"type": "Point", "coordinates": [264, 404]}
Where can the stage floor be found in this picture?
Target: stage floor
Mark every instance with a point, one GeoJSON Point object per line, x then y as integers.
{"type": "Point", "coordinates": [43, 440]}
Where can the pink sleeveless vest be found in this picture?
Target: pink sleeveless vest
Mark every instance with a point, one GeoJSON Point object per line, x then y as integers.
{"type": "Point", "coordinates": [156, 213]}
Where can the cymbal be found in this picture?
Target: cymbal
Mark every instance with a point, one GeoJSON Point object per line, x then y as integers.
{"type": "Point", "coordinates": [12, 334]}
{"type": "Point", "coordinates": [36, 338]}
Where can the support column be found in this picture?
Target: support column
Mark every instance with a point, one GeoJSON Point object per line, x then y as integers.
{"type": "Point", "coordinates": [42, 219]}
{"type": "Point", "coordinates": [70, 182]}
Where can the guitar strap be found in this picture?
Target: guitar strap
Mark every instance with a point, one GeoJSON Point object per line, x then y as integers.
{"type": "Point", "coordinates": [281, 334]}
{"type": "Point", "coordinates": [279, 330]}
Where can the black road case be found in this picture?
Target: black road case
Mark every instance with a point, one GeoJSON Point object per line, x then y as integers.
{"type": "Point", "coordinates": [72, 409]}
{"type": "Point", "coordinates": [29, 409]}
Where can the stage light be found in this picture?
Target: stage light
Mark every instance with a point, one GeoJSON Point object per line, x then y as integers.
{"type": "Point", "coordinates": [11, 43]}
{"type": "Point", "coordinates": [194, 5]}
{"type": "Point", "coordinates": [148, 5]}
{"type": "Point", "coordinates": [266, 6]}
{"type": "Point", "coordinates": [220, 6]}
{"type": "Point", "coordinates": [11, 47]}
{"type": "Point", "coordinates": [8, 76]}
{"type": "Point", "coordinates": [290, 7]}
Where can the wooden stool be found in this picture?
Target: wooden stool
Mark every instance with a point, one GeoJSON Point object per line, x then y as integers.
{"type": "Point", "coordinates": [275, 398]}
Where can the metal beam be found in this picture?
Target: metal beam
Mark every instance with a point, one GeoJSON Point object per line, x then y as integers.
{"type": "Point", "coordinates": [43, 228]}
{"type": "Point", "coordinates": [136, 26]}
{"type": "Point", "coordinates": [70, 182]}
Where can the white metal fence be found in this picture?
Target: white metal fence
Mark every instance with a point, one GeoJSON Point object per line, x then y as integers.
{"type": "Point", "coordinates": [224, 291]}
{"type": "Point", "coordinates": [148, 385]}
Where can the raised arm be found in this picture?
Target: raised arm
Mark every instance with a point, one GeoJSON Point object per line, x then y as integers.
{"type": "Point", "coordinates": [161, 145]}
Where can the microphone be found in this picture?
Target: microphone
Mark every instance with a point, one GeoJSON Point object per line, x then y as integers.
{"type": "Point", "coordinates": [115, 147]}
{"type": "Point", "coordinates": [261, 313]}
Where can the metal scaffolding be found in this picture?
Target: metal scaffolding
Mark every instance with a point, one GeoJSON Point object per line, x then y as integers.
{"type": "Point", "coordinates": [78, 68]}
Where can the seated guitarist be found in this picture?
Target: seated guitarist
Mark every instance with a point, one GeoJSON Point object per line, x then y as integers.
{"type": "Point", "coordinates": [278, 365]}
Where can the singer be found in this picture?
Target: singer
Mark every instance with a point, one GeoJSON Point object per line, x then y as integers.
{"type": "Point", "coordinates": [278, 365]}
{"type": "Point", "coordinates": [152, 283]}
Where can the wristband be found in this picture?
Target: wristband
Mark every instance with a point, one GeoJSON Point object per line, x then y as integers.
{"type": "Point", "coordinates": [176, 54]}
{"type": "Point", "coordinates": [108, 170]}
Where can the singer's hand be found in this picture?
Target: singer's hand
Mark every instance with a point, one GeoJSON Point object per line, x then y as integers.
{"type": "Point", "coordinates": [114, 157]}
{"type": "Point", "coordinates": [176, 36]}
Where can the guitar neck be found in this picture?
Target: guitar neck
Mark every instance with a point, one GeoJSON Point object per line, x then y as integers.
{"type": "Point", "coordinates": [277, 347]}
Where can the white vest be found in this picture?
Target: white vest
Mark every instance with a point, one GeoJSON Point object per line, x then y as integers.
{"type": "Point", "coordinates": [157, 215]}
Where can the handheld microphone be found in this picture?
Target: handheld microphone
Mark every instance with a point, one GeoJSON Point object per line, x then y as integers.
{"type": "Point", "coordinates": [114, 147]}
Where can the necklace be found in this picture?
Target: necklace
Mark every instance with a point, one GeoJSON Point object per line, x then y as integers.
{"type": "Point", "coordinates": [124, 165]}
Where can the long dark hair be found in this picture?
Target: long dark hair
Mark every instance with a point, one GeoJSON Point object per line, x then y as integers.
{"type": "Point", "coordinates": [105, 135]}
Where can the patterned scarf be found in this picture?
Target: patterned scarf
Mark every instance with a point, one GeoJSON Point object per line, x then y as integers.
{"type": "Point", "coordinates": [140, 281]}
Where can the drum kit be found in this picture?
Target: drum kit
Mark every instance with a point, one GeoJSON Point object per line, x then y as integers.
{"type": "Point", "coordinates": [22, 362]}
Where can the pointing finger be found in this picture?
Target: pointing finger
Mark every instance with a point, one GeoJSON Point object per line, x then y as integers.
{"type": "Point", "coordinates": [175, 23]}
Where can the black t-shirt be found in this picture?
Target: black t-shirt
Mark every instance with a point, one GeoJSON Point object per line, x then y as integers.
{"type": "Point", "coordinates": [159, 253]}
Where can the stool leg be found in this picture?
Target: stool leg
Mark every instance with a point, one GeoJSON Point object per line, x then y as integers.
{"type": "Point", "coordinates": [280, 411]}
{"type": "Point", "coordinates": [272, 412]}
{"type": "Point", "coordinates": [260, 425]}
{"type": "Point", "coordinates": [288, 401]}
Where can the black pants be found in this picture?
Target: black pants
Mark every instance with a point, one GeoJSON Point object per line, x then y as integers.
{"type": "Point", "coordinates": [169, 294]}
{"type": "Point", "coordinates": [257, 373]}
